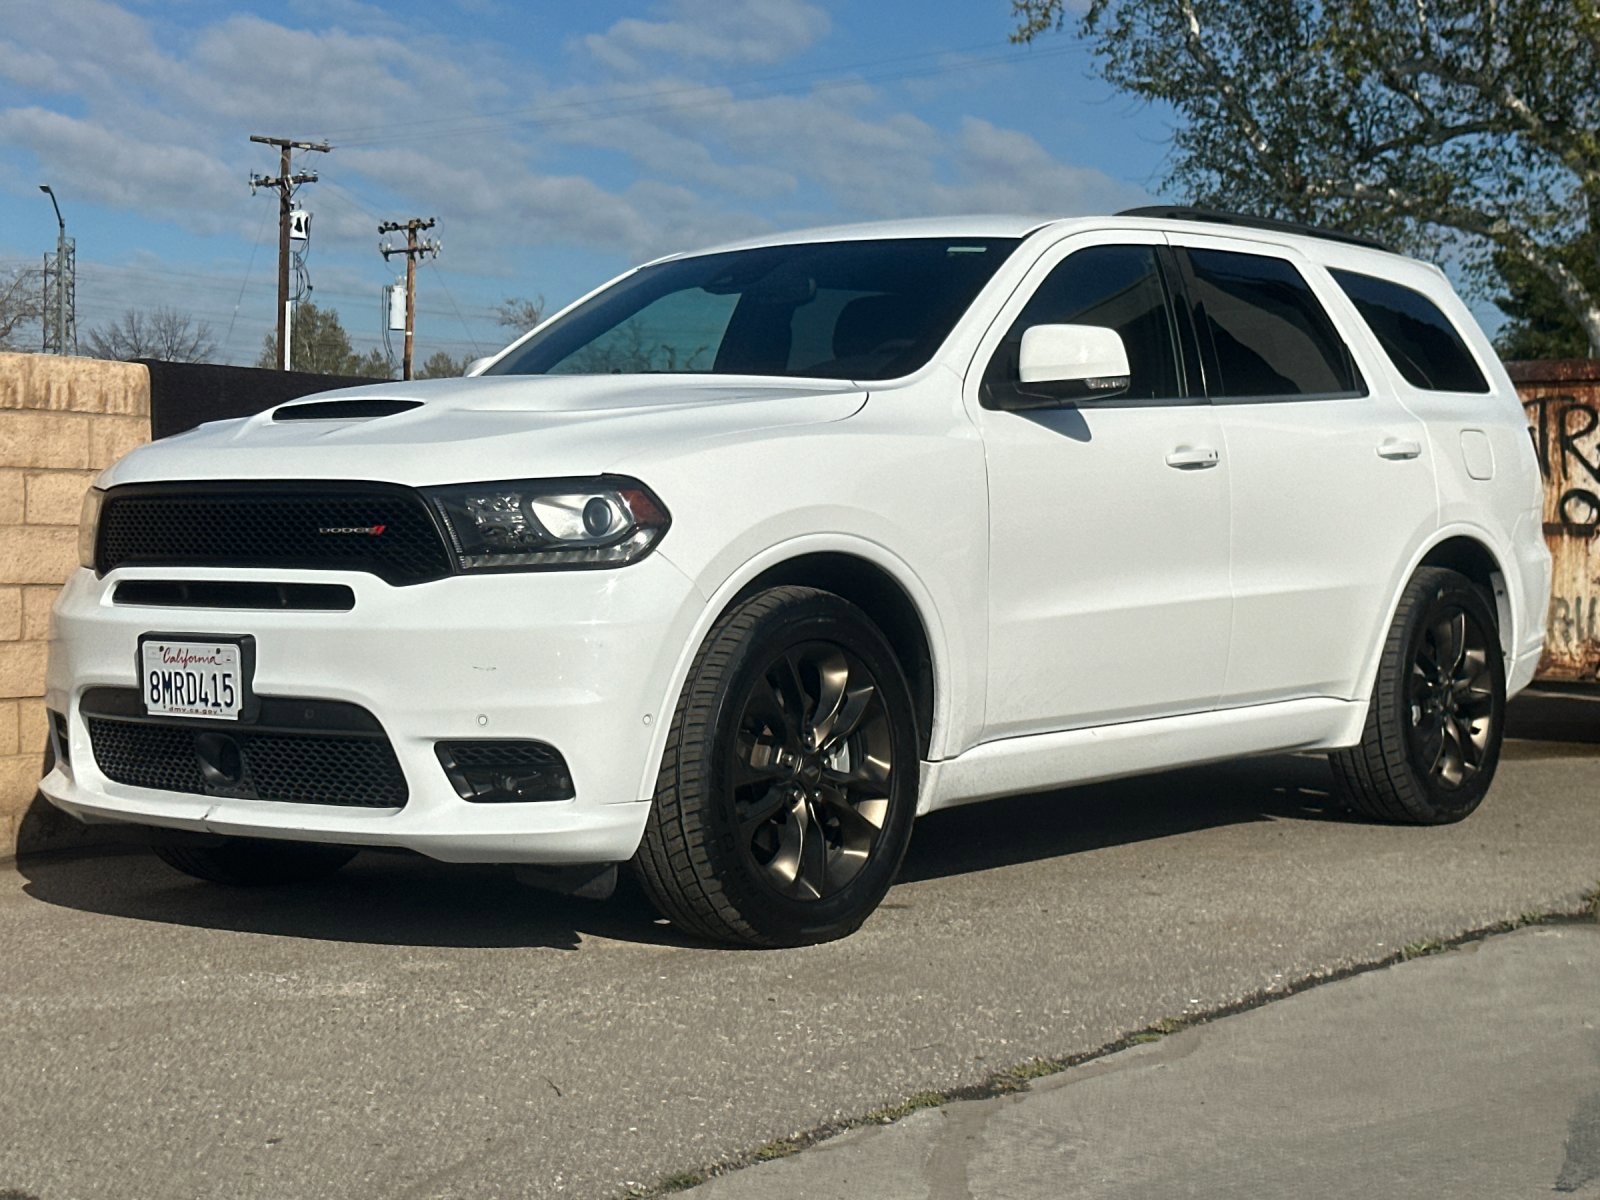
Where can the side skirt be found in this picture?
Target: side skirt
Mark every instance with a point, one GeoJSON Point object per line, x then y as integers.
{"type": "Point", "coordinates": [1050, 760]}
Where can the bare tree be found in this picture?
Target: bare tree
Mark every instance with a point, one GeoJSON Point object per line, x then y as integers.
{"type": "Point", "coordinates": [21, 305]}
{"type": "Point", "coordinates": [165, 334]}
{"type": "Point", "coordinates": [1444, 125]}
{"type": "Point", "coordinates": [519, 312]}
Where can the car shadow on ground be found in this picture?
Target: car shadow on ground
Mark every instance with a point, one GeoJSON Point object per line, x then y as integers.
{"type": "Point", "coordinates": [401, 899]}
{"type": "Point", "coordinates": [1018, 829]}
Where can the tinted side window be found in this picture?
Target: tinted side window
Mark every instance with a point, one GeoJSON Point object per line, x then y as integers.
{"type": "Point", "coordinates": [1269, 334]}
{"type": "Point", "coordinates": [1417, 337]}
{"type": "Point", "coordinates": [1117, 287]}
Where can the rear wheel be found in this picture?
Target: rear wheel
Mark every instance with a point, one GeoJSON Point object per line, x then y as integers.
{"type": "Point", "coordinates": [1432, 739]}
{"type": "Point", "coordinates": [249, 862]}
{"type": "Point", "coordinates": [786, 796]}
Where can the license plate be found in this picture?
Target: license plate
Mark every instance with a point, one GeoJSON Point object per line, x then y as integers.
{"type": "Point", "coordinates": [192, 678]}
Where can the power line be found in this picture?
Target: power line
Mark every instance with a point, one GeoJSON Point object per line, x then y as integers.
{"type": "Point", "coordinates": [250, 266]}
{"type": "Point", "coordinates": [134, 275]}
{"type": "Point", "coordinates": [438, 274]}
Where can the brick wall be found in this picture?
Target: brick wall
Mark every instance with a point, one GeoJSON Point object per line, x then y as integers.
{"type": "Point", "coordinates": [61, 421]}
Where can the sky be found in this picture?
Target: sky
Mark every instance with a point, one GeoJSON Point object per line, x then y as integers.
{"type": "Point", "coordinates": [556, 144]}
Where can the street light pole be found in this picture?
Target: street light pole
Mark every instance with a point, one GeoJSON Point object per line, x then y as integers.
{"type": "Point", "coordinates": [61, 272]}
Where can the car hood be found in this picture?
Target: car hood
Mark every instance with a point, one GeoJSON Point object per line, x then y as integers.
{"type": "Point", "coordinates": [496, 427]}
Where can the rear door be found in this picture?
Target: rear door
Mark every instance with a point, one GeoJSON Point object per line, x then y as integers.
{"type": "Point", "coordinates": [1108, 520]}
{"type": "Point", "coordinates": [1332, 478]}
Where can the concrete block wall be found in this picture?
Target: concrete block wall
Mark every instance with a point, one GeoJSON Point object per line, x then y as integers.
{"type": "Point", "coordinates": [62, 420]}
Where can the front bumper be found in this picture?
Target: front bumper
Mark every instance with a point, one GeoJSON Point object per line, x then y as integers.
{"type": "Point", "coordinates": [580, 660]}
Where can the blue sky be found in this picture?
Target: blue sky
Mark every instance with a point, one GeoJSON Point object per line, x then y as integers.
{"type": "Point", "coordinates": [555, 143]}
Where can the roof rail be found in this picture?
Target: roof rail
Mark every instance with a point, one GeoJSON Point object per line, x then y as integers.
{"type": "Point", "coordinates": [1182, 212]}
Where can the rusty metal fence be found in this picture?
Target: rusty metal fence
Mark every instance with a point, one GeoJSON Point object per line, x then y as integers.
{"type": "Point", "coordinates": [1562, 399]}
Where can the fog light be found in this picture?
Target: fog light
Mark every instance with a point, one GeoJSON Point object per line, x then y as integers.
{"type": "Point", "coordinates": [505, 772]}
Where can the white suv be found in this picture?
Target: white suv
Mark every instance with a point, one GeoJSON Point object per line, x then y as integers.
{"type": "Point", "coordinates": [741, 562]}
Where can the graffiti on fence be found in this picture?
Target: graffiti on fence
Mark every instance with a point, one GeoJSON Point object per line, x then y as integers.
{"type": "Point", "coordinates": [1566, 432]}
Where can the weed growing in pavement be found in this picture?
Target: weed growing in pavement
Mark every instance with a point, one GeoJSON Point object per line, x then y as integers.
{"type": "Point", "coordinates": [681, 1181]}
{"type": "Point", "coordinates": [1034, 1068]}
{"type": "Point", "coordinates": [1423, 948]}
{"type": "Point", "coordinates": [781, 1148]}
{"type": "Point", "coordinates": [891, 1113]}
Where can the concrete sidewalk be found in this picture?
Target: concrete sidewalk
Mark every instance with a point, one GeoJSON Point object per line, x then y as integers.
{"type": "Point", "coordinates": [1470, 1073]}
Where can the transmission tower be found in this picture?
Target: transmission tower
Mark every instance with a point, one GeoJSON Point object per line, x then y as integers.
{"type": "Point", "coordinates": [60, 299]}
{"type": "Point", "coordinates": [285, 183]}
{"type": "Point", "coordinates": [413, 249]}
{"type": "Point", "coordinates": [60, 288]}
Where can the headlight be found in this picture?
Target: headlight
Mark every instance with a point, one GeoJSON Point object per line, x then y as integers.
{"type": "Point", "coordinates": [89, 526]}
{"type": "Point", "coordinates": [606, 521]}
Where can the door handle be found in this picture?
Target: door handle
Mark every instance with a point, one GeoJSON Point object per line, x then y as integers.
{"type": "Point", "coordinates": [1193, 458]}
{"type": "Point", "coordinates": [1399, 448]}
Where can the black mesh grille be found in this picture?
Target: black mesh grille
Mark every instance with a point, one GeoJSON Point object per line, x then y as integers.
{"type": "Point", "coordinates": [502, 771]}
{"type": "Point", "coordinates": [386, 531]}
{"type": "Point", "coordinates": [150, 756]}
{"type": "Point", "coordinates": [501, 754]}
{"type": "Point", "coordinates": [281, 766]}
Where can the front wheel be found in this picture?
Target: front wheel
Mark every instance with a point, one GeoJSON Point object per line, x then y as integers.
{"type": "Point", "coordinates": [1432, 739]}
{"type": "Point", "coordinates": [786, 795]}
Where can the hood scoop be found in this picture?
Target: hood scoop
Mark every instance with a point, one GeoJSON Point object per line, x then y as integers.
{"type": "Point", "coordinates": [362, 409]}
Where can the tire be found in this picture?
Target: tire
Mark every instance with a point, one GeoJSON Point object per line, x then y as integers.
{"type": "Point", "coordinates": [249, 862]}
{"type": "Point", "coordinates": [759, 837]}
{"type": "Point", "coordinates": [1432, 738]}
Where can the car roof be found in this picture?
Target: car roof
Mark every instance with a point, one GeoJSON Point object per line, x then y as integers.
{"type": "Point", "coordinates": [1023, 225]}
{"type": "Point", "coordinates": [984, 226]}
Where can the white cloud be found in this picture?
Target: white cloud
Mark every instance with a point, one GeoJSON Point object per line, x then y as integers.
{"type": "Point", "coordinates": [1005, 170]}
{"type": "Point", "coordinates": [712, 31]}
{"type": "Point", "coordinates": [174, 181]}
{"type": "Point", "coordinates": [31, 69]}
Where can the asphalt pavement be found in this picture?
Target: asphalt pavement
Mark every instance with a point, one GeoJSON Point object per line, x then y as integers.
{"type": "Point", "coordinates": [410, 1029]}
{"type": "Point", "coordinates": [1472, 1074]}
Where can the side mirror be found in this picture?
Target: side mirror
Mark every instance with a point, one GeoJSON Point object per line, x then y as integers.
{"type": "Point", "coordinates": [1058, 364]}
{"type": "Point", "coordinates": [477, 365]}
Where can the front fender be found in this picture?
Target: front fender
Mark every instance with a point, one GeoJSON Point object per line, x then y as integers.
{"type": "Point", "coordinates": [955, 668]}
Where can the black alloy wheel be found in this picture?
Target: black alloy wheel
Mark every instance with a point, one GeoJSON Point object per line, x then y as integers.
{"type": "Point", "coordinates": [1452, 716]}
{"type": "Point", "coordinates": [811, 770]}
{"type": "Point", "coordinates": [1431, 742]}
{"type": "Point", "coordinates": [786, 796]}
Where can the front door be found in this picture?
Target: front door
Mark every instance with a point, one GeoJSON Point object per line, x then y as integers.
{"type": "Point", "coordinates": [1108, 521]}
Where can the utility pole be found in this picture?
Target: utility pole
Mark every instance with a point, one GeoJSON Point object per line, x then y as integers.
{"type": "Point", "coordinates": [284, 183]}
{"type": "Point", "coordinates": [412, 249]}
{"type": "Point", "coordinates": [60, 305]}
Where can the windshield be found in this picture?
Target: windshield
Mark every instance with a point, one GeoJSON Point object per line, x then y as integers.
{"type": "Point", "coordinates": [831, 310]}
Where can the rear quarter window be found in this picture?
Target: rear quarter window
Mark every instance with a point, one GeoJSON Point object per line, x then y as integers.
{"type": "Point", "coordinates": [1418, 338]}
